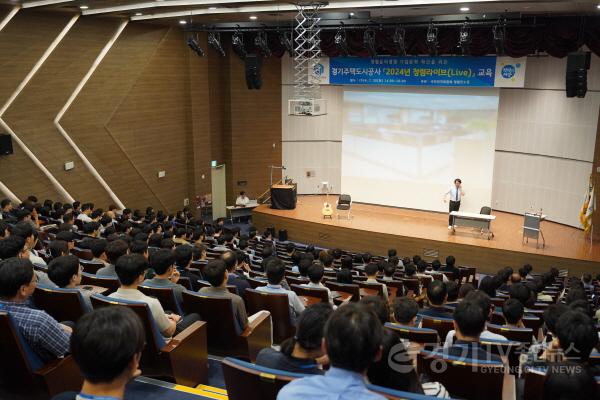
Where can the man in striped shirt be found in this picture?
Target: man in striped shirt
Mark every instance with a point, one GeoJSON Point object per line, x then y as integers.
{"type": "Point", "coordinates": [48, 338]}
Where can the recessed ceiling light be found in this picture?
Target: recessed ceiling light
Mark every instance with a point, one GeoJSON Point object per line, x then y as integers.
{"type": "Point", "coordinates": [598, 6]}
{"type": "Point", "coordinates": [253, 17]}
{"type": "Point", "coordinates": [351, 14]}
{"type": "Point", "coordinates": [138, 14]}
{"type": "Point", "coordinates": [212, 8]}
{"type": "Point", "coordinates": [464, 9]}
{"type": "Point", "coordinates": [182, 21]}
{"type": "Point", "coordinates": [84, 7]}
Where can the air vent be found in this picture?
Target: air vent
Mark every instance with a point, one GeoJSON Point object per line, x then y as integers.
{"type": "Point", "coordinates": [431, 253]}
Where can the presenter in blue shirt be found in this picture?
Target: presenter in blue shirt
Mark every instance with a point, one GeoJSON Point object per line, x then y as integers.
{"type": "Point", "coordinates": [455, 194]}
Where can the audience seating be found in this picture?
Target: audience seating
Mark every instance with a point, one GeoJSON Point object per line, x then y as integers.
{"type": "Point", "coordinates": [61, 304]}
{"type": "Point", "coordinates": [246, 381]}
{"type": "Point", "coordinates": [230, 288]}
{"type": "Point", "coordinates": [278, 305]}
{"type": "Point", "coordinates": [463, 378]}
{"type": "Point", "coordinates": [291, 280]}
{"type": "Point", "coordinates": [185, 282]}
{"type": "Point", "coordinates": [423, 336]}
{"type": "Point", "coordinates": [23, 372]}
{"type": "Point", "coordinates": [441, 325]}
{"type": "Point", "coordinates": [392, 394]}
{"type": "Point", "coordinates": [411, 284]}
{"type": "Point", "coordinates": [254, 283]}
{"type": "Point", "coordinates": [523, 335]}
{"type": "Point", "coordinates": [164, 295]}
{"type": "Point", "coordinates": [112, 284]}
{"type": "Point", "coordinates": [91, 267]}
{"type": "Point", "coordinates": [223, 335]}
{"type": "Point", "coordinates": [83, 254]}
{"type": "Point", "coordinates": [351, 288]}
{"type": "Point", "coordinates": [312, 292]}
{"type": "Point", "coordinates": [183, 358]}
{"type": "Point", "coordinates": [372, 286]}
{"type": "Point", "coordinates": [534, 383]}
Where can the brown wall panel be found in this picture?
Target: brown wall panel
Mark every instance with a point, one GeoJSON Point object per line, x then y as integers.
{"type": "Point", "coordinates": [88, 118]}
{"type": "Point", "coordinates": [255, 127]}
{"type": "Point", "coordinates": [32, 113]}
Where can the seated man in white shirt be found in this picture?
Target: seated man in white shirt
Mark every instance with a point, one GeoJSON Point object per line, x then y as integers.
{"type": "Point", "coordinates": [483, 300]}
{"type": "Point", "coordinates": [242, 200]}
{"type": "Point", "coordinates": [65, 272]}
{"type": "Point", "coordinates": [131, 269]}
{"type": "Point", "coordinates": [86, 210]}
{"type": "Point", "coordinates": [371, 270]}
{"type": "Point", "coordinates": [275, 275]}
{"type": "Point", "coordinates": [315, 274]}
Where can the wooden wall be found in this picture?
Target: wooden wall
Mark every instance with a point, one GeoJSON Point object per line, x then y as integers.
{"type": "Point", "coordinates": [150, 105]}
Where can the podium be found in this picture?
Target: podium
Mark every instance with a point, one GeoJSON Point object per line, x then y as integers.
{"type": "Point", "coordinates": [283, 197]}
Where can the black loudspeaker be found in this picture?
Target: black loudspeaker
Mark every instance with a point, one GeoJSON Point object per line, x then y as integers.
{"type": "Point", "coordinates": [283, 237]}
{"type": "Point", "coordinates": [5, 145]}
{"type": "Point", "coordinates": [576, 79]}
{"type": "Point", "coordinates": [253, 65]}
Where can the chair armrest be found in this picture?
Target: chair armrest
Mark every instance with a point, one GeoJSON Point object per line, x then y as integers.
{"type": "Point", "coordinates": [258, 335]}
{"type": "Point", "coordinates": [187, 355]}
{"type": "Point", "coordinates": [60, 375]}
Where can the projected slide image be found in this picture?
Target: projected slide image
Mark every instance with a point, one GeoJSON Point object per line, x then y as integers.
{"type": "Point", "coordinates": [412, 145]}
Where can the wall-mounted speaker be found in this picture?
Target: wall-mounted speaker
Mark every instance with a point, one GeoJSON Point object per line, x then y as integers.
{"type": "Point", "coordinates": [576, 79]}
{"type": "Point", "coordinates": [253, 64]}
{"type": "Point", "coordinates": [5, 145]}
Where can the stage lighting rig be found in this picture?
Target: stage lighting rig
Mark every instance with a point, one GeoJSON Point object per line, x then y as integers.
{"type": "Point", "coordinates": [192, 43]}
{"type": "Point", "coordinates": [369, 42]}
{"type": "Point", "coordinates": [261, 42]}
{"type": "Point", "coordinates": [340, 41]}
{"type": "Point", "coordinates": [499, 32]}
{"type": "Point", "coordinates": [399, 41]}
{"type": "Point", "coordinates": [285, 38]}
{"type": "Point", "coordinates": [432, 39]}
{"type": "Point", "coordinates": [214, 40]}
{"type": "Point", "coordinates": [464, 39]}
{"type": "Point", "coordinates": [237, 43]}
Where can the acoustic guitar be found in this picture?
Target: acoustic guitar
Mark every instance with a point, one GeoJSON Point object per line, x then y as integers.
{"type": "Point", "coordinates": [327, 210]}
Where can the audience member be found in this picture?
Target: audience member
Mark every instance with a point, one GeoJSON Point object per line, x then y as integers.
{"type": "Point", "coordinates": [275, 275]}
{"type": "Point", "coordinates": [166, 275]}
{"type": "Point", "coordinates": [437, 295]}
{"type": "Point", "coordinates": [114, 250]}
{"type": "Point", "coordinates": [371, 271]}
{"type": "Point", "coordinates": [65, 272]}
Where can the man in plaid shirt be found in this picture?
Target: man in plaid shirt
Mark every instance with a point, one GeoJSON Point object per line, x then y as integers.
{"type": "Point", "coordinates": [48, 338]}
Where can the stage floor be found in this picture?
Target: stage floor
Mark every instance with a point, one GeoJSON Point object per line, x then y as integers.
{"type": "Point", "coordinates": [377, 228]}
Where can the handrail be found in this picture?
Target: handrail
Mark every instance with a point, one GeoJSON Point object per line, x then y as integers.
{"type": "Point", "coordinates": [260, 199]}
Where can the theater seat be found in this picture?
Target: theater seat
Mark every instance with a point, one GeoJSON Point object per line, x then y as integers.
{"type": "Point", "coordinates": [61, 304]}
{"type": "Point", "coordinates": [247, 381]}
{"type": "Point", "coordinates": [164, 295]}
{"type": "Point", "coordinates": [110, 283]}
{"type": "Point", "coordinates": [392, 394]}
{"type": "Point", "coordinates": [24, 373]}
{"type": "Point", "coordinates": [224, 336]}
{"type": "Point", "coordinates": [321, 294]}
{"type": "Point", "coordinates": [424, 336]}
{"type": "Point", "coordinates": [464, 378]}
{"type": "Point", "coordinates": [350, 288]}
{"type": "Point", "coordinates": [184, 358]}
{"type": "Point", "coordinates": [278, 305]}
{"type": "Point", "coordinates": [441, 325]}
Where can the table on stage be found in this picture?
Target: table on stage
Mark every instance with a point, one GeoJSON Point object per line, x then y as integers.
{"type": "Point", "coordinates": [473, 220]}
{"type": "Point", "coordinates": [283, 197]}
{"type": "Point", "coordinates": [241, 211]}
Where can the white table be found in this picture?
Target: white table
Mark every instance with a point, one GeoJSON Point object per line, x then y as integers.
{"type": "Point", "coordinates": [473, 220]}
{"type": "Point", "coordinates": [240, 211]}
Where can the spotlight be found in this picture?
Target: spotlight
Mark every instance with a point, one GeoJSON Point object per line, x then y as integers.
{"type": "Point", "coordinates": [237, 42]}
{"type": "Point", "coordinates": [214, 40]}
{"type": "Point", "coordinates": [253, 17]}
{"type": "Point", "coordinates": [192, 43]}
{"type": "Point", "coordinates": [369, 42]}
{"type": "Point", "coordinates": [285, 38]}
{"type": "Point", "coordinates": [464, 9]}
{"type": "Point", "coordinates": [340, 42]}
{"type": "Point", "coordinates": [432, 39]}
{"type": "Point", "coordinates": [83, 7]}
{"type": "Point", "coordinates": [261, 42]}
{"type": "Point", "coordinates": [399, 42]}
{"type": "Point", "coordinates": [499, 32]}
{"type": "Point", "coordinates": [182, 22]}
{"type": "Point", "coordinates": [464, 39]}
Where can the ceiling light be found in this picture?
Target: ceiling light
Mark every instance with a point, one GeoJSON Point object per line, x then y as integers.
{"type": "Point", "coordinates": [464, 39]}
{"type": "Point", "coordinates": [193, 44]}
{"type": "Point", "coordinates": [212, 8]}
{"type": "Point", "coordinates": [399, 43]}
{"type": "Point", "coordinates": [83, 7]}
{"type": "Point", "coordinates": [253, 17]}
{"type": "Point", "coordinates": [341, 43]}
{"type": "Point", "coordinates": [214, 40]}
{"type": "Point", "coordinates": [138, 14]}
{"type": "Point", "coordinates": [464, 9]}
{"type": "Point", "coordinates": [432, 39]}
{"type": "Point", "coordinates": [237, 43]}
{"type": "Point", "coordinates": [182, 21]}
{"type": "Point", "coordinates": [262, 43]}
{"type": "Point", "coordinates": [598, 6]}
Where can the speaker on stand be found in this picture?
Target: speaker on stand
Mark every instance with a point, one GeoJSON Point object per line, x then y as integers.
{"type": "Point", "coordinates": [253, 63]}
{"type": "Point", "coordinates": [576, 78]}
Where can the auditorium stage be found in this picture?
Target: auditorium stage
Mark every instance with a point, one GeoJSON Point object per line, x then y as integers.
{"type": "Point", "coordinates": [377, 228]}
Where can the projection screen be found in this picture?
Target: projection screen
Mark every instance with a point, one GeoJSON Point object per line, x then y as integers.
{"type": "Point", "coordinates": [405, 148]}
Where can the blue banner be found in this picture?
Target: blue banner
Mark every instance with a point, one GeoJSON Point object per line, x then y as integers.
{"type": "Point", "coordinates": [413, 71]}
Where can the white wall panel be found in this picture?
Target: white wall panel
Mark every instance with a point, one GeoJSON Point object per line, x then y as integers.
{"type": "Point", "coordinates": [324, 158]}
